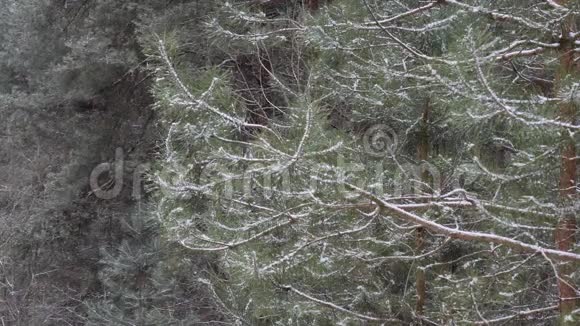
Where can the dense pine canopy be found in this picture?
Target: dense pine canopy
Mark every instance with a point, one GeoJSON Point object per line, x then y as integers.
{"type": "Point", "coordinates": [294, 162]}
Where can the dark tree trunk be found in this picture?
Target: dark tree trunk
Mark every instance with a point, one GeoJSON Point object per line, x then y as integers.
{"type": "Point", "coordinates": [312, 5]}
{"type": "Point", "coordinates": [566, 229]}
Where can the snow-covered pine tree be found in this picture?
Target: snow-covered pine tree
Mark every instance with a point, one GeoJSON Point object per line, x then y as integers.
{"type": "Point", "coordinates": [307, 181]}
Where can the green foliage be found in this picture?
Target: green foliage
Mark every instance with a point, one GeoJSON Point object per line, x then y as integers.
{"type": "Point", "coordinates": [290, 143]}
{"type": "Point", "coordinates": [145, 281]}
{"type": "Point", "coordinates": [278, 204]}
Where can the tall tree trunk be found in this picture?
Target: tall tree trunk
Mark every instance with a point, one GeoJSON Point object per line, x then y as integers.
{"type": "Point", "coordinates": [422, 156]}
{"type": "Point", "coordinates": [565, 230]}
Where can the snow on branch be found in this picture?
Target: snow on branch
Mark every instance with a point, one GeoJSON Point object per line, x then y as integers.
{"type": "Point", "coordinates": [465, 235]}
